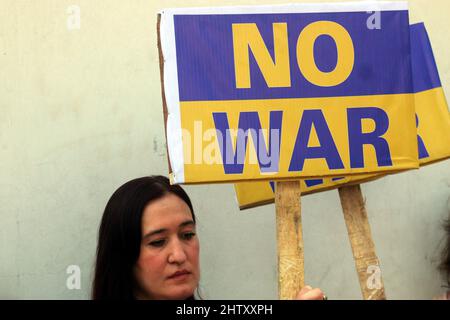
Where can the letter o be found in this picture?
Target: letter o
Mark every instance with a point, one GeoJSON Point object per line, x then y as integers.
{"type": "Point", "coordinates": [345, 53]}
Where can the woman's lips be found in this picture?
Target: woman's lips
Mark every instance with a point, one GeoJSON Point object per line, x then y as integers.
{"type": "Point", "coordinates": [180, 275]}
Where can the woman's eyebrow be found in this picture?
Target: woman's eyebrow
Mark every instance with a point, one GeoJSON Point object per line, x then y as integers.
{"type": "Point", "coordinates": [183, 224]}
{"type": "Point", "coordinates": [187, 223]}
{"type": "Point", "coordinates": [151, 233]}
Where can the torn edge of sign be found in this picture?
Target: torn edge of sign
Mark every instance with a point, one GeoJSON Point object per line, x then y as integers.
{"type": "Point", "coordinates": [170, 83]}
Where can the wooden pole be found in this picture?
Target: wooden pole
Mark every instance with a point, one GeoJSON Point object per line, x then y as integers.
{"type": "Point", "coordinates": [358, 228]}
{"type": "Point", "coordinates": [289, 239]}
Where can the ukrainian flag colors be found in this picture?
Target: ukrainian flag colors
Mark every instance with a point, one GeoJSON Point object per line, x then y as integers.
{"type": "Point", "coordinates": [433, 127]}
{"type": "Point", "coordinates": [282, 92]}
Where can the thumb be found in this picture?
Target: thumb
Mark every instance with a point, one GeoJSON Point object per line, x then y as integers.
{"type": "Point", "coordinates": [303, 291]}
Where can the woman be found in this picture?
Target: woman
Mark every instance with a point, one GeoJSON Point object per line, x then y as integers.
{"type": "Point", "coordinates": [147, 245]}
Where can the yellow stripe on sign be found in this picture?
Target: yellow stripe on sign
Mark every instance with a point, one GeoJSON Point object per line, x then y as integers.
{"type": "Point", "coordinates": [253, 194]}
{"type": "Point", "coordinates": [433, 125]}
{"type": "Point", "coordinates": [433, 131]}
{"type": "Point", "coordinates": [203, 157]}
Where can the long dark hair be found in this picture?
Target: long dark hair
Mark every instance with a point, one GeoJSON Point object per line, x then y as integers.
{"type": "Point", "coordinates": [445, 255]}
{"type": "Point", "coordinates": [119, 237]}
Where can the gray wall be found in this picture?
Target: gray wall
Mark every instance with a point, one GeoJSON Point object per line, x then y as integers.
{"type": "Point", "coordinates": [80, 114]}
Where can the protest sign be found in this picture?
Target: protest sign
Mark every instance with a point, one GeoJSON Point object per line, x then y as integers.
{"type": "Point", "coordinates": [282, 92]}
{"type": "Point", "coordinates": [432, 119]}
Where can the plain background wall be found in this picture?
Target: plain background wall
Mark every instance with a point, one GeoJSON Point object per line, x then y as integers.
{"type": "Point", "coordinates": [80, 114]}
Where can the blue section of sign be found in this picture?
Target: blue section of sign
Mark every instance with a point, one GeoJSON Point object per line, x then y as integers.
{"type": "Point", "coordinates": [313, 182]}
{"type": "Point", "coordinates": [424, 69]}
{"type": "Point", "coordinates": [204, 45]}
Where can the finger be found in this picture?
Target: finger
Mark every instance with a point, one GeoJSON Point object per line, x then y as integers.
{"type": "Point", "coordinates": [314, 294]}
{"type": "Point", "coordinates": [304, 290]}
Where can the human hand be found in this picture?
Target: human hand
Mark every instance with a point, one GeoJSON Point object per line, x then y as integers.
{"type": "Point", "coordinates": [308, 293]}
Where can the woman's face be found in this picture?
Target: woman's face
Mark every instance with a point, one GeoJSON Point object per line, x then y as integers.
{"type": "Point", "coordinates": [168, 264]}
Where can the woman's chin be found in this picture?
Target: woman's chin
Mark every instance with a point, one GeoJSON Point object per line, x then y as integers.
{"type": "Point", "coordinates": [181, 293]}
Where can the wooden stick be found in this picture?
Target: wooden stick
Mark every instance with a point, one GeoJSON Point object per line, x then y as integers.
{"type": "Point", "coordinates": [289, 239]}
{"type": "Point", "coordinates": [358, 228]}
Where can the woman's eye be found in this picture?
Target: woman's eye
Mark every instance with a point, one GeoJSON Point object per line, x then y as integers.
{"type": "Point", "coordinates": [157, 243]}
{"type": "Point", "coordinates": [188, 235]}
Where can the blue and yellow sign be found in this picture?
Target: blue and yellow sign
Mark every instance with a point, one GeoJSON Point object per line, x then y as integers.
{"type": "Point", "coordinates": [433, 127]}
{"type": "Point", "coordinates": [298, 91]}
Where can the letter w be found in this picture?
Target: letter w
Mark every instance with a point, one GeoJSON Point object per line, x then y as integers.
{"type": "Point", "coordinates": [233, 161]}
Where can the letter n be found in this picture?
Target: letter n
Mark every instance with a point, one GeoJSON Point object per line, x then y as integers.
{"type": "Point", "coordinates": [275, 71]}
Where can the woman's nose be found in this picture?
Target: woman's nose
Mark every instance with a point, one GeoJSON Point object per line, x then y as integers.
{"type": "Point", "coordinates": [177, 253]}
